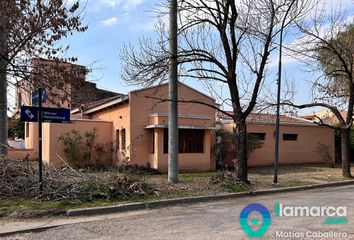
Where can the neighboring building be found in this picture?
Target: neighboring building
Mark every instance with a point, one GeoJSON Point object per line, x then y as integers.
{"type": "Point", "coordinates": [136, 125]}
{"type": "Point", "coordinates": [65, 85]}
{"type": "Point", "coordinates": [325, 117]}
{"type": "Point", "coordinates": [299, 139]}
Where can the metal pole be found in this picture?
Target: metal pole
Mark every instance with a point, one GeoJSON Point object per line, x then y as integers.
{"type": "Point", "coordinates": [173, 106]}
{"type": "Point", "coordinates": [40, 165]}
{"type": "Point", "coordinates": [277, 124]}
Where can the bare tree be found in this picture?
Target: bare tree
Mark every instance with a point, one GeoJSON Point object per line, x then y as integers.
{"type": "Point", "coordinates": [220, 42]}
{"type": "Point", "coordinates": [31, 29]}
{"type": "Point", "coordinates": [326, 45]}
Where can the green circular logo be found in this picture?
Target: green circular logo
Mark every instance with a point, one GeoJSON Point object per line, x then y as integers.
{"type": "Point", "coordinates": [247, 227]}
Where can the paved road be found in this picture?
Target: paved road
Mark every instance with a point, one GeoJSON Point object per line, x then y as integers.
{"type": "Point", "coordinates": [215, 220]}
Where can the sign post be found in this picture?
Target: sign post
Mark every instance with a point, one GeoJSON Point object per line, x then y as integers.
{"type": "Point", "coordinates": [42, 114]}
{"type": "Point", "coordinates": [40, 164]}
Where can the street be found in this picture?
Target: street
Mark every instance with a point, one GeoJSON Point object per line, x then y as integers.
{"type": "Point", "coordinates": [213, 220]}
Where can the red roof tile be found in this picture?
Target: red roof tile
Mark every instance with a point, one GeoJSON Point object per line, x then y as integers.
{"type": "Point", "coordinates": [269, 118]}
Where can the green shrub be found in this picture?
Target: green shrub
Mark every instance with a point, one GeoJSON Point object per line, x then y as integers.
{"type": "Point", "coordinates": [77, 148]}
{"type": "Point", "coordinates": [17, 129]}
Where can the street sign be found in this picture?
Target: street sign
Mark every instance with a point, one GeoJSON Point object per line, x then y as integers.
{"type": "Point", "coordinates": [29, 114]}
{"type": "Point", "coordinates": [56, 115]}
{"type": "Point", "coordinates": [51, 115]}
{"type": "Point", "coordinates": [35, 96]}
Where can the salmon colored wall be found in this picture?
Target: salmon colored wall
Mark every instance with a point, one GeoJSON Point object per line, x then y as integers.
{"type": "Point", "coordinates": [184, 120]}
{"type": "Point", "coordinates": [196, 162]}
{"type": "Point", "coordinates": [20, 154]}
{"type": "Point", "coordinates": [304, 150]}
{"type": "Point", "coordinates": [51, 131]}
{"type": "Point", "coordinates": [120, 117]}
{"type": "Point", "coordinates": [142, 105]}
{"type": "Point", "coordinates": [31, 142]}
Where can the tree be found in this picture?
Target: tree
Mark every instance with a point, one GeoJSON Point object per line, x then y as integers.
{"type": "Point", "coordinates": [226, 146]}
{"type": "Point", "coordinates": [220, 42]}
{"type": "Point", "coordinates": [18, 129]}
{"type": "Point", "coordinates": [327, 44]}
{"type": "Point", "coordinates": [31, 29]}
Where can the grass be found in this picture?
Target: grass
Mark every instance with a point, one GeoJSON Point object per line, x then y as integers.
{"type": "Point", "coordinates": [193, 184]}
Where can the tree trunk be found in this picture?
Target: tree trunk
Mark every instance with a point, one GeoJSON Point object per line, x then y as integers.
{"type": "Point", "coordinates": [345, 148]}
{"type": "Point", "coordinates": [3, 89]}
{"type": "Point", "coordinates": [242, 156]}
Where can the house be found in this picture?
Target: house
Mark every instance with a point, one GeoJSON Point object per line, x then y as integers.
{"type": "Point", "coordinates": [300, 139]}
{"type": "Point", "coordinates": [139, 126]}
{"type": "Point", "coordinates": [136, 126]}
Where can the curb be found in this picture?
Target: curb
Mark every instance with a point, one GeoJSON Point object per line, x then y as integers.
{"type": "Point", "coordinates": [29, 230]}
{"type": "Point", "coordinates": [187, 200]}
{"type": "Point", "coordinates": [171, 202]}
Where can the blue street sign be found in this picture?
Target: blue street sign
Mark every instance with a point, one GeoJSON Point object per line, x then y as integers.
{"type": "Point", "coordinates": [56, 115]}
{"type": "Point", "coordinates": [51, 115]}
{"type": "Point", "coordinates": [35, 97]}
{"type": "Point", "coordinates": [29, 114]}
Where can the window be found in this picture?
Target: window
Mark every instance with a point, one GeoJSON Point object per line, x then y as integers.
{"type": "Point", "coordinates": [290, 137]}
{"type": "Point", "coordinates": [258, 136]}
{"type": "Point", "coordinates": [122, 132]}
{"type": "Point", "coordinates": [19, 104]}
{"type": "Point", "coordinates": [27, 129]}
{"type": "Point", "coordinates": [153, 141]}
{"type": "Point", "coordinates": [189, 141]}
{"type": "Point", "coordinates": [117, 139]}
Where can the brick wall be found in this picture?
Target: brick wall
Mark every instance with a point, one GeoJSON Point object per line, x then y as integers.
{"type": "Point", "coordinates": [85, 92]}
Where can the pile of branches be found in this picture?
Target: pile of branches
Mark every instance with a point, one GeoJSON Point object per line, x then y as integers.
{"type": "Point", "coordinates": [227, 180]}
{"type": "Point", "coordinates": [129, 168]}
{"type": "Point", "coordinates": [20, 179]}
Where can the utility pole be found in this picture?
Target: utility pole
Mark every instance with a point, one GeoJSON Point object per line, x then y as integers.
{"type": "Point", "coordinates": [277, 124]}
{"type": "Point", "coordinates": [3, 80]}
{"type": "Point", "coordinates": [173, 95]}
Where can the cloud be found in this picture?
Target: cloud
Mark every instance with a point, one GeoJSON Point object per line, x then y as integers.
{"type": "Point", "coordinates": [132, 3]}
{"type": "Point", "coordinates": [127, 4]}
{"type": "Point", "coordinates": [110, 21]}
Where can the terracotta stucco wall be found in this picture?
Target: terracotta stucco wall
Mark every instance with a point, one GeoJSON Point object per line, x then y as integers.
{"type": "Point", "coordinates": [197, 162]}
{"type": "Point", "coordinates": [51, 131]}
{"type": "Point", "coordinates": [120, 117]}
{"type": "Point", "coordinates": [144, 103]}
{"type": "Point", "coordinates": [31, 140]}
{"type": "Point", "coordinates": [304, 150]}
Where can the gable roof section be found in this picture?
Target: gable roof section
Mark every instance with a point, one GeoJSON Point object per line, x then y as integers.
{"type": "Point", "coordinates": [265, 118]}
{"type": "Point", "coordinates": [108, 102]}
{"type": "Point", "coordinates": [166, 83]}
{"type": "Point", "coordinates": [101, 104]}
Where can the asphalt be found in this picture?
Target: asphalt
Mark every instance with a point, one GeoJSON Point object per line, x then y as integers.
{"type": "Point", "coordinates": [207, 220]}
{"type": "Point", "coordinates": [15, 228]}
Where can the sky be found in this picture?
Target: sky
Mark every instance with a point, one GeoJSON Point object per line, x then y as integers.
{"type": "Point", "coordinates": [113, 23]}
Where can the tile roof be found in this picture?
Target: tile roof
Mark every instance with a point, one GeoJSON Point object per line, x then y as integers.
{"type": "Point", "coordinates": [269, 118]}
{"type": "Point", "coordinates": [94, 104]}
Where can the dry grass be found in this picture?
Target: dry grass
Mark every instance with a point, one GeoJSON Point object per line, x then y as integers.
{"type": "Point", "coordinates": [296, 175]}
{"type": "Point", "coordinates": [190, 184]}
